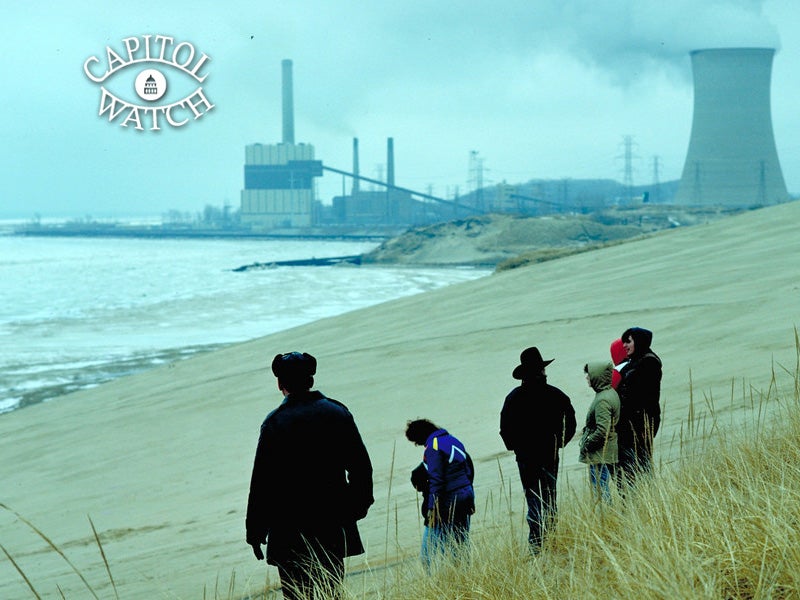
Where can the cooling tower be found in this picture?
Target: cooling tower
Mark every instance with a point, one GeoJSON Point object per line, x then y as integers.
{"type": "Point", "coordinates": [732, 160]}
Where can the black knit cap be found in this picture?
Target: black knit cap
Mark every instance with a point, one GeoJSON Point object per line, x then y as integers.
{"type": "Point", "coordinates": [293, 365]}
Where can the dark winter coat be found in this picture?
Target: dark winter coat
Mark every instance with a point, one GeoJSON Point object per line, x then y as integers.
{"type": "Point", "coordinates": [311, 481]}
{"type": "Point", "coordinates": [639, 392]}
{"type": "Point", "coordinates": [536, 420]}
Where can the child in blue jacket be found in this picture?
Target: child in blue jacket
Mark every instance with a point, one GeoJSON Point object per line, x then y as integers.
{"type": "Point", "coordinates": [448, 495]}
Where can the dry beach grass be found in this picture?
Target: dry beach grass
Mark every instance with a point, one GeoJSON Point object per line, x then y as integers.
{"type": "Point", "coordinates": [514, 240]}
{"type": "Point", "coordinates": [719, 522]}
{"type": "Point", "coordinates": [160, 461]}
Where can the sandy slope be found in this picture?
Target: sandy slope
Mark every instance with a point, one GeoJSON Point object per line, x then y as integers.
{"type": "Point", "coordinates": [161, 460]}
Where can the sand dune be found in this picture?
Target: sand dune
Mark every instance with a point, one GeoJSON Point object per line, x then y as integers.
{"type": "Point", "coordinates": [161, 460]}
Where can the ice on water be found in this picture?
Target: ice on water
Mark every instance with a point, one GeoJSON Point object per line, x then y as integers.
{"type": "Point", "coordinates": [78, 311]}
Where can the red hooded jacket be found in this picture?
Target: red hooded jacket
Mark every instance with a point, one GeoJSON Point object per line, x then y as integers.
{"type": "Point", "coordinates": [619, 356]}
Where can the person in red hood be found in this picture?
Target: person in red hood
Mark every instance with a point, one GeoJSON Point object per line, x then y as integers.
{"type": "Point", "coordinates": [620, 358]}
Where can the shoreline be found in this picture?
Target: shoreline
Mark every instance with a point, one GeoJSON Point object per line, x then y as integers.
{"type": "Point", "coordinates": [122, 230]}
{"type": "Point", "coordinates": [66, 380]}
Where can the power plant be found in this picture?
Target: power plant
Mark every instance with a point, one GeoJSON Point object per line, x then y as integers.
{"type": "Point", "coordinates": [279, 186]}
{"type": "Point", "coordinates": [280, 189]}
{"type": "Point", "coordinates": [732, 160]}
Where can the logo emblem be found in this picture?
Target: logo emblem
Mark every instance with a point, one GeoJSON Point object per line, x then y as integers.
{"type": "Point", "coordinates": [153, 104]}
{"type": "Point", "coordinates": [150, 85]}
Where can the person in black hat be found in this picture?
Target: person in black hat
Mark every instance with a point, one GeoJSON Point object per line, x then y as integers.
{"type": "Point", "coordinates": [311, 483]}
{"type": "Point", "coordinates": [537, 420]}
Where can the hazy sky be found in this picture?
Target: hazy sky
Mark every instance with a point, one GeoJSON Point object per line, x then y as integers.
{"type": "Point", "coordinates": [540, 89]}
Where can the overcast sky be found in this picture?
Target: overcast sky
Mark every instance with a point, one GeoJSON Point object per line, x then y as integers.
{"type": "Point", "coordinates": [539, 89]}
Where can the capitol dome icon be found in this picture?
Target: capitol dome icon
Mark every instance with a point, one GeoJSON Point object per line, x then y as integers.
{"type": "Point", "coordinates": [150, 85]}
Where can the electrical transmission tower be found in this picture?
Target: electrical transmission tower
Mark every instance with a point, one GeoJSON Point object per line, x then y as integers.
{"type": "Point", "coordinates": [656, 179]}
{"type": "Point", "coordinates": [628, 156]}
{"type": "Point", "coordinates": [476, 179]}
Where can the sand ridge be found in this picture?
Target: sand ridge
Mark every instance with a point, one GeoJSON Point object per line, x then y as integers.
{"type": "Point", "coordinates": [161, 460]}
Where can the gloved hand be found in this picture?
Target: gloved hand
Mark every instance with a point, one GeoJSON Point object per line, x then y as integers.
{"type": "Point", "coordinates": [257, 551]}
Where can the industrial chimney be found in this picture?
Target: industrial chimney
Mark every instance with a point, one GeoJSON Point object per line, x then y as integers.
{"type": "Point", "coordinates": [391, 198]}
{"type": "Point", "coordinates": [354, 191]}
{"type": "Point", "coordinates": [732, 160]}
{"type": "Point", "coordinates": [390, 161]}
{"type": "Point", "coordinates": [288, 103]}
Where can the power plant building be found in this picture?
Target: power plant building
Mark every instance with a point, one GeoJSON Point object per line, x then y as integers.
{"type": "Point", "coordinates": [279, 187]}
{"type": "Point", "coordinates": [732, 159]}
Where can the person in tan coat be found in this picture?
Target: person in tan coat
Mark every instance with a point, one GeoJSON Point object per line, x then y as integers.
{"type": "Point", "coordinates": [599, 439]}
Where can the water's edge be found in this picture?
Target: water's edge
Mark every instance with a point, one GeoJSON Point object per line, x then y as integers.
{"type": "Point", "coordinates": [73, 380]}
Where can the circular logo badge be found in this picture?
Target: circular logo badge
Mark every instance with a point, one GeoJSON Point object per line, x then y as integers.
{"type": "Point", "coordinates": [150, 85]}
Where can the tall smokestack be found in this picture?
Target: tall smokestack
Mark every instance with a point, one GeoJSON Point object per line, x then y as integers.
{"type": "Point", "coordinates": [355, 167]}
{"type": "Point", "coordinates": [288, 103]}
{"type": "Point", "coordinates": [390, 161]}
{"type": "Point", "coordinates": [732, 160]}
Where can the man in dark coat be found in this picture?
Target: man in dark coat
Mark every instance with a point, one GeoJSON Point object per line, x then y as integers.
{"type": "Point", "coordinates": [536, 421]}
{"type": "Point", "coordinates": [639, 394]}
{"type": "Point", "coordinates": [311, 482]}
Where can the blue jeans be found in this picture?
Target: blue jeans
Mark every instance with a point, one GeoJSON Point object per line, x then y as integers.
{"type": "Point", "coordinates": [438, 539]}
{"type": "Point", "coordinates": [599, 477]}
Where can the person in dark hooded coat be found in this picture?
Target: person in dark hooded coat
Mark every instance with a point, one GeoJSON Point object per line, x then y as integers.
{"type": "Point", "coordinates": [311, 482]}
{"type": "Point", "coordinates": [639, 392]}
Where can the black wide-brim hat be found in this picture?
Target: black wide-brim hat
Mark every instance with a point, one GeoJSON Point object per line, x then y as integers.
{"type": "Point", "coordinates": [531, 363]}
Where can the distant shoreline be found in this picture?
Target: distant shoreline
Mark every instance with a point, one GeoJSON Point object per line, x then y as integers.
{"type": "Point", "coordinates": [93, 230]}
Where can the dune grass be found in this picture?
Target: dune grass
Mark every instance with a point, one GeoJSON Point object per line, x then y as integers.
{"type": "Point", "coordinates": [720, 519]}
{"type": "Point", "coordinates": [56, 549]}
